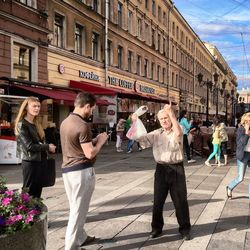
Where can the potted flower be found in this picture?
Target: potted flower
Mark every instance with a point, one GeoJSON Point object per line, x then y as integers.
{"type": "Point", "coordinates": [23, 220]}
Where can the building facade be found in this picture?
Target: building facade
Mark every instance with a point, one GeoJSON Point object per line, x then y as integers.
{"type": "Point", "coordinates": [127, 52]}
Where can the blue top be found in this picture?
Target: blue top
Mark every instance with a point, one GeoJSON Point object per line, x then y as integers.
{"type": "Point", "coordinates": [185, 125]}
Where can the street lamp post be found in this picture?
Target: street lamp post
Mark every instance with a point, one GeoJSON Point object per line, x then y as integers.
{"type": "Point", "coordinates": [232, 96]}
{"type": "Point", "coordinates": [226, 96]}
{"type": "Point", "coordinates": [209, 85]}
{"type": "Point", "coordinates": [216, 87]}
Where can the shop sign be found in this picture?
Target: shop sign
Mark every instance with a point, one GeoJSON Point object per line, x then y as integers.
{"type": "Point", "coordinates": [89, 75]}
{"type": "Point", "coordinates": [61, 69]}
{"type": "Point", "coordinates": [120, 82]}
{"type": "Point", "coordinates": [144, 89]}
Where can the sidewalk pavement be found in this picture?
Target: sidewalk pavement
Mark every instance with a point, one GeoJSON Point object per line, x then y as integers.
{"type": "Point", "coordinates": [121, 206]}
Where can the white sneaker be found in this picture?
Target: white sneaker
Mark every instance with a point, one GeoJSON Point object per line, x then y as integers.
{"type": "Point", "coordinates": [207, 163]}
{"type": "Point", "coordinates": [191, 161]}
{"type": "Point", "coordinates": [119, 150]}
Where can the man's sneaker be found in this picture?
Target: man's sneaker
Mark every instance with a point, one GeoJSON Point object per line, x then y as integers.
{"type": "Point", "coordinates": [140, 149]}
{"type": "Point", "coordinates": [207, 163]}
{"type": "Point", "coordinates": [130, 151]}
{"type": "Point", "coordinates": [119, 150]}
{"type": "Point", "coordinates": [186, 236]}
{"type": "Point", "coordinates": [191, 161]}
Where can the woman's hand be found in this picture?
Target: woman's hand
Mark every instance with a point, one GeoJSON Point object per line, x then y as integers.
{"type": "Point", "coordinates": [52, 148]}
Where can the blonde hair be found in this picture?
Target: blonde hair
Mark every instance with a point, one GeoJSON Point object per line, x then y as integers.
{"type": "Point", "coordinates": [23, 112]}
{"type": "Point", "coordinates": [245, 117]}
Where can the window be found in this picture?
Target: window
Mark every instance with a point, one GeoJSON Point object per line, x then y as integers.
{"type": "Point", "coordinates": [176, 81]}
{"type": "Point", "coordinates": [159, 42]}
{"type": "Point", "coordinates": [129, 61]}
{"type": "Point", "coordinates": [153, 39]}
{"type": "Point", "coordinates": [30, 3]}
{"type": "Point", "coordinates": [138, 65]}
{"type": "Point", "coordinates": [152, 70]}
{"type": "Point", "coordinates": [78, 39]}
{"type": "Point", "coordinates": [177, 33]}
{"type": "Point", "coordinates": [147, 33]}
{"type": "Point", "coordinates": [158, 72]}
{"type": "Point", "coordinates": [95, 5]}
{"type": "Point", "coordinates": [139, 27]}
{"type": "Point", "coordinates": [153, 7]}
{"type": "Point", "coordinates": [164, 19]}
{"type": "Point", "coordinates": [164, 46]}
{"type": "Point", "coordinates": [58, 29]}
{"type": "Point", "coordinates": [119, 14]}
{"type": "Point", "coordinates": [130, 21]}
{"type": "Point", "coordinates": [146, 67]}
{"type": "Point", "coordinates": [110, 6]}
{"type": "Point", "coordinates": [22, 62]}
{"type": "Point", "coordinates": [146, 4]}
{"type": "Point", "coordinates": [95, 45]}
{"type": "Point", "coordinates": [172, 78]}
{"type": "Point", "coordinates": [163, 75]}
{"type": "Point", "coordinates": [159, 13]}
{"type": "Point", "coordinates": [173, 29]}
{"type": "Point", "coordinates": [109, 53]}
{"type": "Point", "coordinates": [120, 55]}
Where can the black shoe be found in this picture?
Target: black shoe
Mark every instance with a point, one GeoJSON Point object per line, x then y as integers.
{"type": "Point", "coordinates": [155, 234]}
{"type": "Point", "coordinates": [88, 240]}
{"type": "Point", "coordinates": [186, 236]}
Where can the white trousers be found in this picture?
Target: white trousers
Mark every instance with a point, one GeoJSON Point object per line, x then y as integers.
{"type": "Point", "coordinates": [79, 186]}
{"type": "Point", "coordinates": [118, 141]}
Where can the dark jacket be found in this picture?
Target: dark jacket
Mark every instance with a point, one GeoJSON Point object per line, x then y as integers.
{"type": "Point", "coordinates": [241, 140]}
{"type": "Point", "coordinates": [29, 145]}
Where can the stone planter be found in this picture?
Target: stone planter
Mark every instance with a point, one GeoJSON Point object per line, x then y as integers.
{"type": "Point", "coordinates": [33, 239]}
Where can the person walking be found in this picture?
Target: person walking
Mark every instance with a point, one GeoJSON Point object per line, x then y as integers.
{"type": "Point", "coordinates": [186, 129]}
{"type": "Point", "coordinates": [79, 152]}
{"type": "Point", "coordinates": [131, 142]}
{"type": "Point", "coordinates": [242, 153]}
{"type": "Point", "coordinates": [167, 146]}
{"type": "Point", "coordinates": [224, 140]}
{"type": "Point", "coordinates": [216, 143]}
{"type": "Point", "coordinates": [31, 147]}
{"type": "Point", "coordinates": [119, 134]}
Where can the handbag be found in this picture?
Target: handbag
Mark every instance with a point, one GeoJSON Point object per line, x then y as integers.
{"type": "Point", "coordinates": [49, 173]}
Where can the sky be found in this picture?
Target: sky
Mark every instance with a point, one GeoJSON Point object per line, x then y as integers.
{"type": "Point", "coordinates": [226, 24]}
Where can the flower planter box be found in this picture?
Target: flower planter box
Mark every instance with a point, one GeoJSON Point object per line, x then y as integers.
{"type": "Point", "coordinates": [32, 239]}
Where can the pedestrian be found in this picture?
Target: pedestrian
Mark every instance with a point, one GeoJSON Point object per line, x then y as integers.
{"type": "Point", "coordinates": [242, 153]}
{"type": "Point", "coordinates": [167, 146]}
{"type": "Point", "coordinates": [119, 134]}
{"type": "Point", "coordinates": [31, 146]}
{"type": "Point", "coordinates": [224, 140]}
{"type": "Point", "coordinates": [131, 142]}
{"type": "Point", "coordinates": [216, 142]}
{"type": "Point", "coordinates": [186, 129]}
{"type": "Point", "coordinates": [79, 155]}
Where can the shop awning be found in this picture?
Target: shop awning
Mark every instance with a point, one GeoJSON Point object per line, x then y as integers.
{"type": "Point", "coordinates": [56, 94]}
{"type": "Point", "coordinates": [65, 96]}
{"type": "Point", "coordinates": [94, 89]}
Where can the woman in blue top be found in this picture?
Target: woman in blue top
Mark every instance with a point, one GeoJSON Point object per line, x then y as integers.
{"type": "Point", "coordinates": [186, 128]}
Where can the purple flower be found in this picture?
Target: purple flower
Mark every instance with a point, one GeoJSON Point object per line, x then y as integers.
{"type": "Point", "coordinates": [25, 197]}
{"type": "Point", "coordinates": [9, 192]}
{"type": "Point", "coordinates": [1, 221]}
{"type": "Point", "coordinates": [6, 201]}
{"type": "Point", "coordinates": [29, 219]}
{"type": "Point", "coordinates": [33, 212]}
{"type": "Point", "coordinates": [12, 219]}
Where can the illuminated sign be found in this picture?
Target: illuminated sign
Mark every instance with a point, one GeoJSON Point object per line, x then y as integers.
{"type": "Point", "coordinates": [120, 82]}
{"type": "Point", "coordinates": [89, 75]}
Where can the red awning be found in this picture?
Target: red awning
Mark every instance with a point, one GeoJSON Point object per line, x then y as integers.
{"type": "Point", "coordinates": [57, 94]}
{"type": "Point", "coordinates": [60, 95]}
{"type": "Point", "coordinates": [94, 89]}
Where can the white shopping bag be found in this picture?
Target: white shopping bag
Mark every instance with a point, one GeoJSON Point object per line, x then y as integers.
{"type": "Point", "coordinates": [137, 130]}
{"type": "Point", "coordinates": [141, 111]}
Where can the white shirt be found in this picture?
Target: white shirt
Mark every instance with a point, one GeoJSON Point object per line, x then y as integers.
{"type": "Point", "coordinates": [247, 147]}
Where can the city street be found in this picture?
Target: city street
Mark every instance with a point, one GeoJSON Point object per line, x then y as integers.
{"type": "Point", "coordinates": [121, 207]}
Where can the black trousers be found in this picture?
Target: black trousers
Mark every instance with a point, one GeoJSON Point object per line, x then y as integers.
{"type": "Point", "coordinates": [32, 177]}
{"type": "Point", "coordinates": [170, 178]}
{"type": "Point", "coordinates": [186, 147]}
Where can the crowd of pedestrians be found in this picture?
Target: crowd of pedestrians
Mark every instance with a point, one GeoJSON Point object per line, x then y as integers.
{"type": "Point", "coordinates": [169, 142]}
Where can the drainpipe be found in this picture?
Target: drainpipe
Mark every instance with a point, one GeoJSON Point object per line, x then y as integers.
{"type": "Point", "coordinates": [106, 42]}
{"type": "Point", "coordinates": [169, 11]}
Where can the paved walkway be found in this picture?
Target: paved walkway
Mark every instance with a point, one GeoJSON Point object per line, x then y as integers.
{"type": "Point", "coordinates": [121, 206]}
